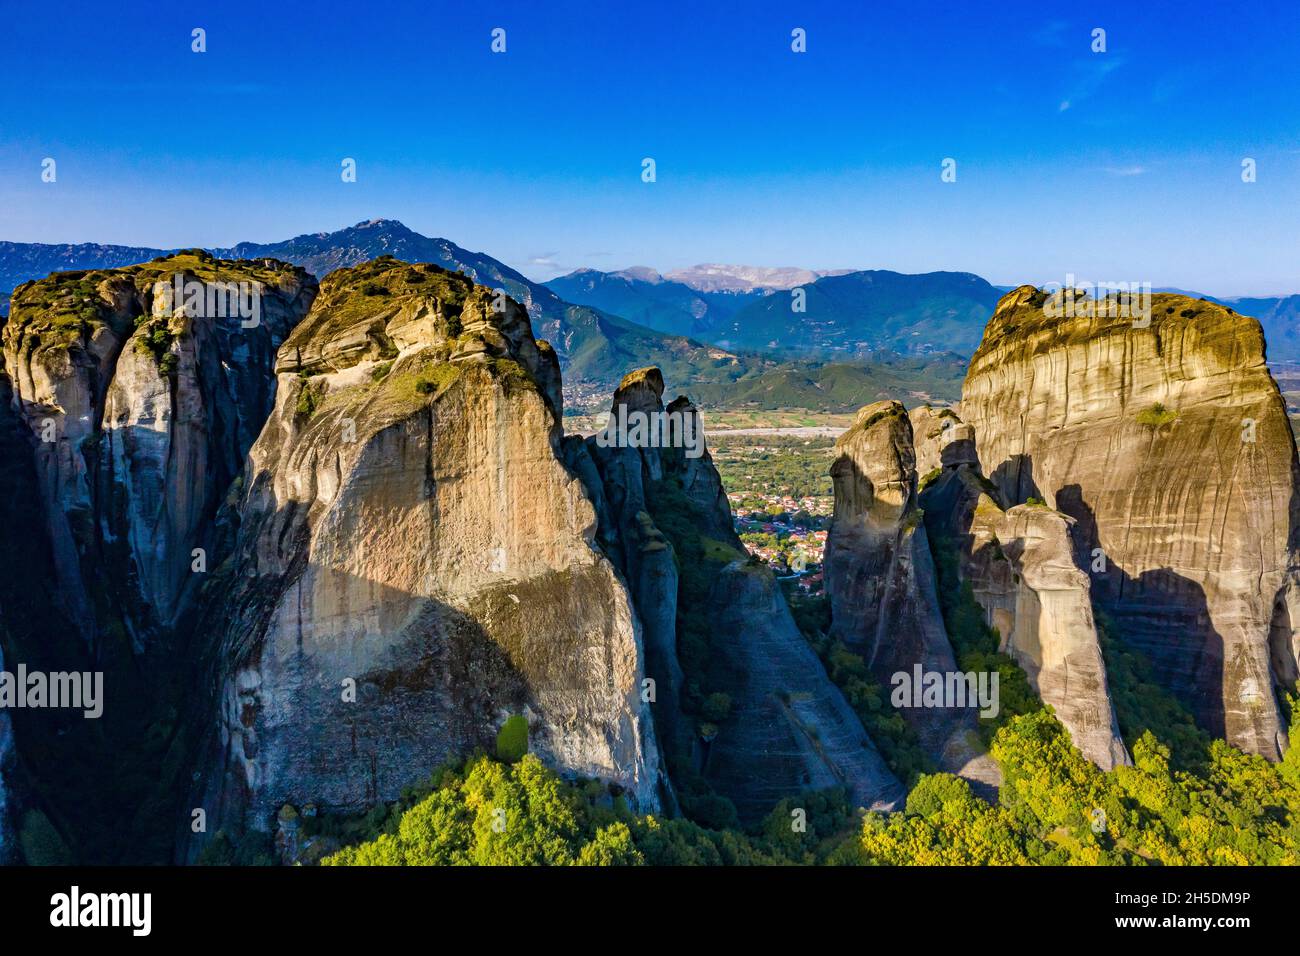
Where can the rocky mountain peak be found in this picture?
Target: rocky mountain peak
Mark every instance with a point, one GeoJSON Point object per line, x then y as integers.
{"type": "Point", "coordinates": [875, 466]}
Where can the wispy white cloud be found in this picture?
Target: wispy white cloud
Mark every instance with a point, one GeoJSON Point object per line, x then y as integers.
{"type": "Point", "coordinates": [1124, 170]}
{"type": "Point", "coordinates": [1090, 74]}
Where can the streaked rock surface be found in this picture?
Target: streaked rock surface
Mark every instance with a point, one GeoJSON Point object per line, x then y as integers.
{"type": "Point", "coordinates": [410, 530]}
{"type": "Point", "coordinates": [1168, 444]}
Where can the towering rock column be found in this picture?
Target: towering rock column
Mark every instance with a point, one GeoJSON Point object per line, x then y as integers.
{"type": "Point", "coordinates": [881, 579]}
{"type": "Point", "coordinates": [1020, 564]}
{"type": "Point", "coordinates": [143, 388]}
{"type": "Point", "coordinates": [416, 564]}
{"type": "Point", "coordinates": [789, 728]}
{"type": "Point", "coordinates": [1166, 439]}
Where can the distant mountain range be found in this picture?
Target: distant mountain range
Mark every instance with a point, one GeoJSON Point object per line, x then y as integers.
{"type": "Point", "coordinates": [860, 313]}
{"type": "Point", "coordinates": [597, 347]}
{"type": "Point", "coordinates": [655, 301]}
{"type": "Point", "coordinates": [711, 277]}
{"type": "Point", "coordinates": [728, 332]}
{"type": "Point", "coordinates": [843, 314]}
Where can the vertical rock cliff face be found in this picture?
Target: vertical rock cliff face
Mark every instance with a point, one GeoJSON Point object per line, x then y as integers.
{"type": "Point", "coordinates": [620, 477]}
{"type": "Point", "coordinates": [932, 430]}
{"type": "Point", "coordinates": [881, 580]}
{"type": "Point", "coordinates": [1021, 567]}
{"type": "Point", "coordinates": [415, 562]}
{"type": "Point", "coordinates": [789, 728]}
{"type": "Point", "coordinates": [1168, 443]}
{"type": "Point", "coordinates": [141, 409]}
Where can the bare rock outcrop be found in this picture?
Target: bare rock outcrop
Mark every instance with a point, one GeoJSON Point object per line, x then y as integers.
{"type": "Point", "coordinates": [1021, 566]}
{"type": "Point", "coordinates": [141, 409]}
{"type": "Point", "coordinates": [932, 430]}
{"type": "Point", "coordinates": [789, 727]}
{"type": "Point", "coordinates": [1165, 438]}
{"type": "Point", "coordinates": [415, 563]}
{"type": "Point", "coordinates": [881, 580]}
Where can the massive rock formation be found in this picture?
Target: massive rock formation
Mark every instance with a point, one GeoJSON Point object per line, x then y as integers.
{"type": "Point", "coordinates": [141, 409]}
{"type": "Point", "coordinates": [789, 728]}
{"type": "Point", "coordinates": [1021, 567]}
{"type": "Point", "coordinates": [415, 562]}
{"type": "Point", "coordinates": [881, 580]}
{"type": "Point", "coordinates": [1167, 441]}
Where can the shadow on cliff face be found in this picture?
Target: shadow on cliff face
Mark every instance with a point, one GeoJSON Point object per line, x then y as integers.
{"type": "Point", "coordinates": [1160, 613]}
{"type": "Point", "coordinates": [340, 690]}
{"type": "Point", "coordinates": [346, 719]}
{"type": "Point", "coordinates": [1015, 478]}
{"type": "Point", "coordinates": [92, 791]}
{"type": "Point", "coordinates": [119, 789]}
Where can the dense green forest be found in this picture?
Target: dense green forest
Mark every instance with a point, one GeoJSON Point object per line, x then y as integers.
{"type": "Point", "coordinates": [1055, 808]}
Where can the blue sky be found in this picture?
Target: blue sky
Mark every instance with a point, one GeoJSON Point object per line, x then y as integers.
{"type": "Point", "coordinates": [1123, 165]}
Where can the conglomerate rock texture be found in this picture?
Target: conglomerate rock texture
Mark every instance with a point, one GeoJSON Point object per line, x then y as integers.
{"type": "Point", "coordinates": [415, 562]}
{"type": "Point", "coordinates": [141, 410]}
{"type": "Point", "coordinates": [1166, 440]}
{"type": "Point", "coordinates": [881, 580]}
{"type": "Point", "coordinates": [1021, 567]}
{"type": "Point", "coordinates": [789, 728]}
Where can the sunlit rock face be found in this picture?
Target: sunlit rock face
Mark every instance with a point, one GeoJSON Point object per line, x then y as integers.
{"type": "Point", "coordinates": [142, 404]}
{"type": "Point", "coordinates": [881, 580]}
{"type": "Point", "coordinates": [1021, 567]}
{"type": "Point", "coordinates": [935, 431]}
{"type": "Point", "coordinates": [415, 562]}
{"type": "Point", "coordinates": [1166, 440]}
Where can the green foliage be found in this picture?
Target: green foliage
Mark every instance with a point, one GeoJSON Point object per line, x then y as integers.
{"type": "Point", "coordinates": [1157, 416]}
{"type": "Point", "coordinates": [488, 813]}
{"type": "Point", "coordinates": [1142, 705]}
{"type": "Point", "coordinates": [750, 382]}
{"type": "Point", "coordinates": [699, 558]}
{"type": "Point", "coordinates": [154, 338]}
{"type": "Point", "coordinates": [512, 739]}
{"type": "Point", "coordinates": [944, 824]}
{"type": "Point", "coordinates": [1056, 807]}
{"type": "Point", "coordinates": [309, 399]}
{"type": "Point", "coordinates": [973, 641]}
{"type": "Point", "coordinates": [893, 411]}
{"type": "Point", "coordinates": [611, 846]}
